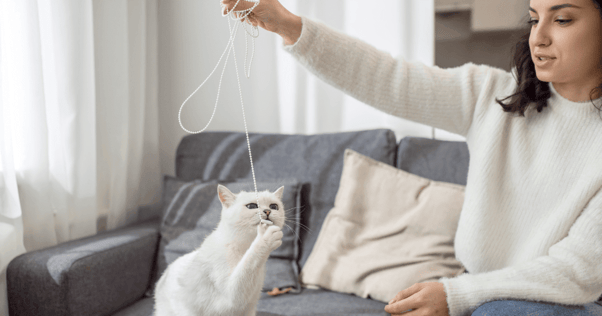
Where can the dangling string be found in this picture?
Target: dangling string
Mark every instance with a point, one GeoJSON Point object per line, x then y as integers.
{"type": "Point", "coordinates": [229, 47]}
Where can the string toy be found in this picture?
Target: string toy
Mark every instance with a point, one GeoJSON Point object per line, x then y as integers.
{"type": "Point", "coordinates": [239, 16]}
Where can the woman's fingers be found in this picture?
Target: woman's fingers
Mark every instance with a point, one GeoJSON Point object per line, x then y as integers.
{"type": "Point", "coordinates": [267, 14]}
{"type": "Point", "coordinates": [228, 5]}
{"type": "Point", "coordinates": [250, 19]}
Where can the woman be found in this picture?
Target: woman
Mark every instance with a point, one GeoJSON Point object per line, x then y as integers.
{"type": "Point", "coordinates": [530, 232]}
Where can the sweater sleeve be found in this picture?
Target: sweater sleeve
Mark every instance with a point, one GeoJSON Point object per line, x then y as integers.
{"type": "Point", "coordinates": [442, 98]}
{"type": "Point", "coordinates": [570, 274]}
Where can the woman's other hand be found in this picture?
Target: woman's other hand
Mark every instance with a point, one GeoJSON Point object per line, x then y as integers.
{"type": "Point", "coordinates": [270, 15]}
{"type": "Point", "coordinates": [422, 299]}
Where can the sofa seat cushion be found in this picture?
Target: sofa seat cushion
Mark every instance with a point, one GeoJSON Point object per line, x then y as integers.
{"type": "Point", "coordinates": [434, 159]}
{"type": "Point", "coordinates": [314, 159]}
{"type": "Point", "coordinates": [309, 302]}
{"type": "Point", "coordinates": [319, 302]}
{"type": "Point", "coordinates": [143, 307]}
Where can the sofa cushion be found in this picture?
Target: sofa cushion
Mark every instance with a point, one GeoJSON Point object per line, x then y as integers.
{"type": "Point", "coordinates": [143, 307]}
{"type": "Point", "coordinates": [319, 302]}
{"type": "Point", "coordinates": [315, 159]}
{"type": "Point", "coordinates": [388, 230]}
{"type": "Point", "coordinates": [192, 210]}
{"type": "Point", "coordinates": [433, 159]}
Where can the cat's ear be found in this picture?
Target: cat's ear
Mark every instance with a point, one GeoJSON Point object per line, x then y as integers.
{"type": "Point", "coordinates": [278, 192]}
{"type": "Point", "coordinates": [225, 196]}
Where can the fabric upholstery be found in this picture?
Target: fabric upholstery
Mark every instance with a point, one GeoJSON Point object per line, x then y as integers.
{"type": "Point", "coordinates": [388, 230]}
{"type": "Point", "coordinates": [143, 307]}
{"type": "Point", "coordinates": [150, 212]}
{"type": "Point", "coordinates": [319, 302]}
{"type": "Point", "coordinates": [97, 275]}
{"type": "Point", "coordinates": [315, 159]}
{"type": "Point", "coordinates": [192, 211]}
{"type": "Point", "coordinates": [434, 159]}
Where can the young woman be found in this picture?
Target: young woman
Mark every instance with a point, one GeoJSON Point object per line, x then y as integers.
{"type": "Point", "coordinates": [530, 232]}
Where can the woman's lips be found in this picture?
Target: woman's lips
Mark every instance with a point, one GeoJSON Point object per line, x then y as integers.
{"type": "Point", "coordinates": [545, 62]}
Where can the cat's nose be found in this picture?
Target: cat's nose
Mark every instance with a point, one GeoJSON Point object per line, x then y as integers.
{"type": "Point", "coordinates": [266, 212]}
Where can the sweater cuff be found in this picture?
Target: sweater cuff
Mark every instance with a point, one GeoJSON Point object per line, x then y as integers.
{"type": "Point", "coordinates": [303, 43]}
{"type": "Point", "coordinates": [458, 302]}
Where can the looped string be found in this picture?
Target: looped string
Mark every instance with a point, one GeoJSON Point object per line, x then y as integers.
{"type": "Point", "coordinates": [241, 16]}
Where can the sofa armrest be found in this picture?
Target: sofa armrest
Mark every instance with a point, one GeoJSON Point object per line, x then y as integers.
{"type": "Point", "coordinates": [95, 275]}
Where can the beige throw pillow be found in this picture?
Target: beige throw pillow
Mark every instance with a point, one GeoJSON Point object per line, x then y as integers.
{"type": "Point", "coordinates": [388, 230]}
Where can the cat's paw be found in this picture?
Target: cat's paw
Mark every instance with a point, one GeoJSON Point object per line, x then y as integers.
{"type": "Point", "coordinates": [272, 237]}
{"type": "Point", "coordinates": [261, 229]}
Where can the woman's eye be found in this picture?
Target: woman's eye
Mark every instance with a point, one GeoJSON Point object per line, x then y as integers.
{"type": "Point", "coordinates": [252, 205]}
{"type": "Point", "coordinates": [561, 22]}
{"type": "Point", "coordinates": [274, 206]}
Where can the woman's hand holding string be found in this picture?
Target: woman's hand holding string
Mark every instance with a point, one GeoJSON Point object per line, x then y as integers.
{"type": "Point", "coordinates": [270, 15]}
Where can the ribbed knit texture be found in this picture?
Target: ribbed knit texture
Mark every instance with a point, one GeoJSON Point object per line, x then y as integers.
{"type": "Point", "coordinates": [531, 223]}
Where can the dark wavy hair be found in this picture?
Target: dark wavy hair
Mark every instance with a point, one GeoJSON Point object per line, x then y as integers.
{"type": "Point", "coordinates": [530, 89]}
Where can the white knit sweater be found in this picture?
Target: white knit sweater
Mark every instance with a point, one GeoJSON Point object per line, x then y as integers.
{"type": "Point", "coordinates": [531, 223]}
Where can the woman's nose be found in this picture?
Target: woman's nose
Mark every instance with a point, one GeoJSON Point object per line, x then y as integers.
{"type": "Point", "coordinates": [540, 36]}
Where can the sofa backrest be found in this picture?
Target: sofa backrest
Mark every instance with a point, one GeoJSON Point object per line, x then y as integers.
{"type": "Point", "coordinates": [433, 159]}
{"type": "Point", "coordinates": [314, 159]}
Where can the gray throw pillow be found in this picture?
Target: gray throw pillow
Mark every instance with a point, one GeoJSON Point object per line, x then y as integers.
{"type": "Point", "coordinates": [191, 211]}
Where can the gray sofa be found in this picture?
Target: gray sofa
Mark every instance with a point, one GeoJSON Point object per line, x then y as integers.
{"type": "Point", "coordinates": [111, 273]}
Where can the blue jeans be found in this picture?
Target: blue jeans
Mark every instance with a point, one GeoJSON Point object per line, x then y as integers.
{"type": "Point", "coordinates": [519, 308]}
{"type": "Point", "coordinates": [516, 308]}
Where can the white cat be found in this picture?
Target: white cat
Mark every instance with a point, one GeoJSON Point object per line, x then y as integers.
{"type": "Point", "coordinates": [224, 276]}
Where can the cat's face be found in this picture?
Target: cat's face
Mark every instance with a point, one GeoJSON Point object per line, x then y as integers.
{"type": "Point", "coordinates": [241, 209]}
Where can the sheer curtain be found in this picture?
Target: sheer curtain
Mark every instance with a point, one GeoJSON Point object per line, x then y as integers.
{"type": "Point", "coordinates": [78, 120]}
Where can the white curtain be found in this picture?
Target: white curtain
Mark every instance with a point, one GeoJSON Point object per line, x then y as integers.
{"type": "Point", "coordinates": [78, 120]}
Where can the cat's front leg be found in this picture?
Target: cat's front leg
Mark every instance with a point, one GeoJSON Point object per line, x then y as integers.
{"type": "Point", "coordinates": [268, 239]}
{"type": "Point", "coordinates": [243, 281]}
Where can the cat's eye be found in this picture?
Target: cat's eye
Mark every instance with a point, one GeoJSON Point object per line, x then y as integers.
{"type": "Point", "coordinates": [274, 206]}
{"type": "Point", "coordinates": [252, 205]}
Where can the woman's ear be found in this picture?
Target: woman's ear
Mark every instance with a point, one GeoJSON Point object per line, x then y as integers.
{"type": "Point", "coordinates": [225, 196]}
{"type": "Point", "coordinates": [279, 192]}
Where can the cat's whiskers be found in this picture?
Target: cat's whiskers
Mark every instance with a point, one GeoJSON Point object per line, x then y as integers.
{"type": "Point", "coordinates": [301, 225]}
{"type": "Point", "coordinates": [294, 221]}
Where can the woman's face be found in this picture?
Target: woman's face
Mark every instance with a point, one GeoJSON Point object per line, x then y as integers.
{"type": "Point", "coordinates": [569, 32]}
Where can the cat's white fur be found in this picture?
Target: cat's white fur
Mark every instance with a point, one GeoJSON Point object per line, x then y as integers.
{"type": "Point", "coordinates": [224, 276]}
